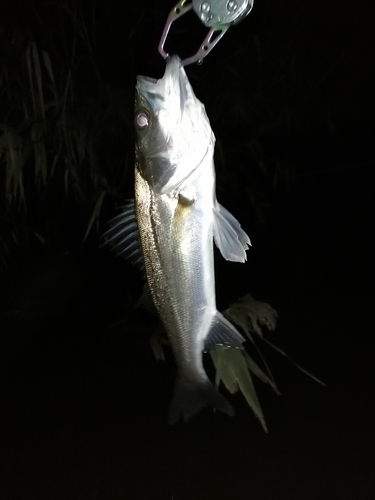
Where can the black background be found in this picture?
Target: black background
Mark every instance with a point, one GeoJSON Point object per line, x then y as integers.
{"type": "Point", "coordinates": [83, 402]}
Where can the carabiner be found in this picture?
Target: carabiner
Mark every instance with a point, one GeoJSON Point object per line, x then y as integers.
{"type": "Point", "coordinates": [218, 15]}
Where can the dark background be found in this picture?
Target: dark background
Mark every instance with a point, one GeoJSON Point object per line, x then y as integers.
{"type": "Point", "coordinates": [83, 405]}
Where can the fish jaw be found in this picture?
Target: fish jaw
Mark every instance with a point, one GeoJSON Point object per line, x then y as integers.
{"type": "Point", "coordinates": [178, 135]}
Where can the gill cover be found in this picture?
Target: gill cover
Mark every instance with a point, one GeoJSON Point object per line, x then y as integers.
{"type": "Point", "coordinates": [173, 131]}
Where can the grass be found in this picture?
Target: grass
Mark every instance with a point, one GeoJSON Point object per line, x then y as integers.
{"type": "Point", "coordinates": [64, 128]}
{"type": "Point", "coordinates": [235, 368]}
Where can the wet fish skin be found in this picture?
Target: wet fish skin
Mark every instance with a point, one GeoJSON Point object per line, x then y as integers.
{"type": "Point", "coordinates": [178, 219]}
{"type": "Point", "coordinates": [175, 209]}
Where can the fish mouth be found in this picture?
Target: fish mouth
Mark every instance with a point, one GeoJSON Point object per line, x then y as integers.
{"type": "Point", "coordinates": [173, 89]}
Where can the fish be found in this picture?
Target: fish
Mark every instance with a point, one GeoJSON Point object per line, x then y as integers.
{"type": "Point", "coordinates": [170, 229]}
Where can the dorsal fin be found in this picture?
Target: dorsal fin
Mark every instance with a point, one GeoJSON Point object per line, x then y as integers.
{"type": "Point", "coordinates": [123, 235]}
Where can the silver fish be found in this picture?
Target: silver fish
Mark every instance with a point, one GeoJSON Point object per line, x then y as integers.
{"type": "Point", "coordinates": [177, 219]}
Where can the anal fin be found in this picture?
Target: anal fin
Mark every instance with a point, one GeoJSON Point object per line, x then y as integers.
{"type": "Point", "coordinates": [222, 334]}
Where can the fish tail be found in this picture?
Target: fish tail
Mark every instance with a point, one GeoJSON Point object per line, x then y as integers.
{"type": "Point", "coordinates": [189, 398]}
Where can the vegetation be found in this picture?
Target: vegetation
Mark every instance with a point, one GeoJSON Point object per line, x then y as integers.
{"type": "Point", "coordinates": [66, 134]}
{"type": "Point", "coordinates": [66, 130]}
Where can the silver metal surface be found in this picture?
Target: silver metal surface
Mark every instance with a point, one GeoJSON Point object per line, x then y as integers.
{"type": "Point", "coordinates": [218, 15]}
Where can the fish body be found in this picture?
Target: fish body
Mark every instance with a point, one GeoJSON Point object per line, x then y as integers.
{"type": "Point", "coordinates": [178, 219]}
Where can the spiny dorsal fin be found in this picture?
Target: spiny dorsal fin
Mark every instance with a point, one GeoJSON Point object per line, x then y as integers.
{"type": "Point", "coordinates": [124, 237]}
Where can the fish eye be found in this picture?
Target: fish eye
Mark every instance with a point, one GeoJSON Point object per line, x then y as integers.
{"type": "Point", "coordinates": [142, 120]}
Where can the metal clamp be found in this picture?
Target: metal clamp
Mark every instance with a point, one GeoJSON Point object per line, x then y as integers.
{"type": "Point", "coordinates": [218, 15]}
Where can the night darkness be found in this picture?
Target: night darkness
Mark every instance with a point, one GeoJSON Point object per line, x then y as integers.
{"type": "Point", "coordinates": [83, 403]}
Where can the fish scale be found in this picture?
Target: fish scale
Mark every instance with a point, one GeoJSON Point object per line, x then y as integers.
{"type": "Point", "coordinates": [178, 220]}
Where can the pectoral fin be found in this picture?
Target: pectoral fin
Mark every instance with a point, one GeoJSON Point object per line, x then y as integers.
{"type": "Point", "coordinates": [229, 237]}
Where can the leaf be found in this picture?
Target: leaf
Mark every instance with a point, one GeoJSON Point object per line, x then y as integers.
{"type": "Point", "coordinates": [48, 65]}
{"type": "Point", "coordinates": [30, 74]}
{"type": "Point", "coordinates": [250, 315]}
{"type": "Point", "coordinates": [38, 76]}
{"type": "Point", "coordinates": [66, 178]}
{"type": "Point", "coordinates": [37, 136]}
{"type": "Point", "coordinates": [232, 369]}
{"type": "Point", "coordinates": [15, 158]}
{"type": "Point", "coordinates": [280, 351]}
{"type": "Point", "coordinates": [96, 212]}
{"type": "Point", "coordinates": [254, 368]}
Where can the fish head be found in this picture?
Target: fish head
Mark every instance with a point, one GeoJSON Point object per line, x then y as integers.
{"type": "Point", "coordinates": [173, 132]}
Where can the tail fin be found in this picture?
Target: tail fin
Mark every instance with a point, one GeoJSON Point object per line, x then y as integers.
{"type": "Point", "coordinates": [189, 398]}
